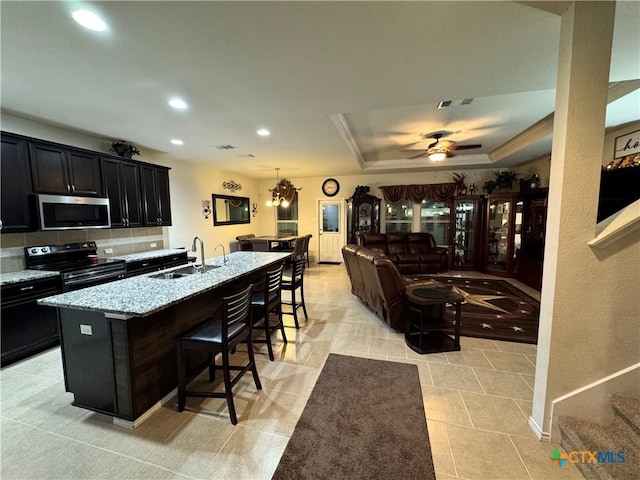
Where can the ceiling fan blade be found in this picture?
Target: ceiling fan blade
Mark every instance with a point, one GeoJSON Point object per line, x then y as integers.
{"type": "Point", "coordinates": [420, 155]}
{"type": "Point", "coordinates": [464, 147]}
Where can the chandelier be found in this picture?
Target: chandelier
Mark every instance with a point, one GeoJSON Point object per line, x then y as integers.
{"type": "Point", "coordinates": [284, 189]}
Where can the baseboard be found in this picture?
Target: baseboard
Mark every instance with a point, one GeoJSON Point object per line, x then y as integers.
{"type": "Point", "coordinates": [537, 430]}
{"type": "Point", "coordinates": [121, 422]}
{"type": "Point", "coordinates": [592, 402]}
{"type": "Point", "coordinates": [329, 263]}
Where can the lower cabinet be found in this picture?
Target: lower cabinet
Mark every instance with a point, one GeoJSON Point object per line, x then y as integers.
{"type": "Point", "coordinates": [27, 328]}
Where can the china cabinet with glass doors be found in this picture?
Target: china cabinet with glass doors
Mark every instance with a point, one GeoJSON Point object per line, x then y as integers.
{"type": "Point", "coordinates": [363, 216]}
{"type": "Point", "coordinates": [465, 252]}
{"type": "Point", "coordinates": [501, 235]}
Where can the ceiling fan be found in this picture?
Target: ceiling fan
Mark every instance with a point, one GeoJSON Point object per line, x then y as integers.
{"type": "Point", "coordinates": [438, 151]}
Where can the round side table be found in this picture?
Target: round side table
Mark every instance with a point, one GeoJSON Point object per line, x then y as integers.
{"type": "Point", "coordinates": [428, 332]}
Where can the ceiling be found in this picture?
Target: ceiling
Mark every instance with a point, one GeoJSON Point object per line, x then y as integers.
{"type": "Point", "coordinates": [344, 87]}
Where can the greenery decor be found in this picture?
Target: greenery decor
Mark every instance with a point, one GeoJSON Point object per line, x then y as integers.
{"type": "Point", "coordinates": [123, 149]}
{"type": "Point", "coordinates": [504, 179]}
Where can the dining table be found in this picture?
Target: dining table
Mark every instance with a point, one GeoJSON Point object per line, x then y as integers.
{"type": "Point", "coordinates": [278, 243]}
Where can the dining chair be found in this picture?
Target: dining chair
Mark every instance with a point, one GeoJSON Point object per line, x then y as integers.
{"type": "Point", "coordinates": [259, 245]}
{"type": "Point", "coordinates": [220, 335]}
{"type": "Point", "coordinates": [291, 283]}
{"type": "Point", "coordinates": [265, 302]}
{"type": "Point", "coordinates": [245, 241]}
{"type": "Point", "coordinates": [307, 238]}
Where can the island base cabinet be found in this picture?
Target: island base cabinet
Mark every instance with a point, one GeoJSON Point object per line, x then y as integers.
{"type": "Point", "coordinates": [88, 360]}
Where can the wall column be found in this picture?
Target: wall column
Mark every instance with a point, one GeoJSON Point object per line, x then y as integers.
{"type": "Point", "coordinates": [568, 326]}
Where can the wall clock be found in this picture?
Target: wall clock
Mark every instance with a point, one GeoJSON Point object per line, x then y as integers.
{"type": "Point", "coordinates": [330, 187]}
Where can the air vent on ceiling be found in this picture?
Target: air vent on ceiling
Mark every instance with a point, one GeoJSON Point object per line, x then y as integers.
{"type": "Point", "coordinates": [466, 101]}
{"type": "Point", "coordinates": [445, 104]}
{"type": "Point", "coordinates": [246, 155]}
{"type": "Point", "coordinates": [225, 147]}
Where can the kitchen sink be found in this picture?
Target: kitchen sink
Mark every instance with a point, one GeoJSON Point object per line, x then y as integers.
{"type": "Point", "coordinates": [184, 272]}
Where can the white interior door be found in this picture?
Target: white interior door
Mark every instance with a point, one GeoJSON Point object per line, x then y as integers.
{"type": "Point", "coordinates": [331, 230]}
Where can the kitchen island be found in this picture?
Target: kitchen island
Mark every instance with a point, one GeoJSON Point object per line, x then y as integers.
{"type": "Point", "coordinates": [117, 339]}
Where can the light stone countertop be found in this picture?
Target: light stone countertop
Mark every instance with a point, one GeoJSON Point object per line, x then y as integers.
{"type": "Point", "coordinates": [143, 295]}
{"type": "Point", "coordinates": [25, 276]}
{"type": "Point", "coordinates": [151, 254]}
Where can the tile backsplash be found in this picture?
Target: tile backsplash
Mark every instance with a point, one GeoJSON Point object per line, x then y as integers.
{"type": "Point", "coordinates": [119, 241]}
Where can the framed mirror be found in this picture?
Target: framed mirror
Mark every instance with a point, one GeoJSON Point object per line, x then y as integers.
{"type": "Point", "coordinates": [229, 210]}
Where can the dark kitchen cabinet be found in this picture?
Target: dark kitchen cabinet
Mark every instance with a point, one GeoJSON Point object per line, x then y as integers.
{"type": "Point", "coordinates": [27, 328]}
{"type": "Point", "coordinates": [61, 170]}
{"type": "Point", "coordinates": [17, 204]}
{"type": "Point", "coordinates": [155, 195]}
{"type": "Point", "coordinates": [121, 183]}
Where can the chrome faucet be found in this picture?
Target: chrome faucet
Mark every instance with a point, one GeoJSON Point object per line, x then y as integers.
{"type": "Point", "coordinates": [224, 255]}
{"type": "Point", "coordinates": [194, 249]}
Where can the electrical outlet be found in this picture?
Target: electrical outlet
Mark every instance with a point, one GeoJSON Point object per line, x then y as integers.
{"type": "Point", "coordinates": [154, 244]}
{"type": "Point", "coordinates": [108, 250]}
{"type": "Point", "coordinates": [86, 330]}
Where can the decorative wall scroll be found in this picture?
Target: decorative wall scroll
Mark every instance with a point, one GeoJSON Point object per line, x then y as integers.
{"type": "Point", "coordinates": [231, 185]}
{"type": "Point", "coordinates": [626, 145]}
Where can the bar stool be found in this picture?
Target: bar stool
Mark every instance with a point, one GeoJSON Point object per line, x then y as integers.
{"type": "Point", "coordinates": [220, 335]}
{"type": "Point", "coordinates": [266, 301]}
{"type": "Point", "coordinates": [292, 283]}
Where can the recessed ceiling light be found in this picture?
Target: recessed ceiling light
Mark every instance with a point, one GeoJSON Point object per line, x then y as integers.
{"type": "Point", "coordinates": [178, 103]}
{"type": "Point", "coordinates": [263, 132]}
{"type": "Point", "coordinates": [177, 141]}
{"type": "Point", "coordinates": [89, 20]}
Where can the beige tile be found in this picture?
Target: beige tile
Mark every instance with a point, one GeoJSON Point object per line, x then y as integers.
{"type": "Point", "coordinates": [192, 446]}
{"type": "Point", "coordinates": [536, 456]}
{"type": "Point", "coordinates": [525, 407]}
{"type": "Point", "coordinates": [11, 432]}
{"type": "Point", "coordinates": [504, 384]}
{"type": "Point", "coordinates": [12, 264]}
{"type": "Point", "coordinates": [153, 230]}
{"type": "Point", "coordinates": [496, 414]}
{"type": "Point", "coordinates": [516, 347]}
{"type": "Point", "coordinates": [471, 357]}
{"type": "Point", "coordinates": [530, 379]}
{"type": "Point", "coordinates": [393, 348]}
{"type": "Point", "coordinates": [270, 410]}
{"type": "Point", "coordinates": [444, 405]}
{"type": "Point", "coordinates": [71, 236]}
{"type": "Point", "coordinates": [249, 453]}
{"type": "Point", "coordinates": [123, 249]}
{"type": "Point", "coordinates": [440, 451]}
{"type": "Point", "coordinates": [99, 234]}
{"type": "Point", "coordinates": [455, 376]}
{"type": "Point", "coordinates": [351, 345]}
{"type": "Point", "coordinates": [42, 238]}
{"type": "Point", "coordinates": [510, 362]}
{"type": "Point", "coordinates": [423, 369]}
{"type": "Point", "coordinates": [135, 470]}
{"type": "Point", "coordinates": [10, 240]}
{"type": "Point", "coordinates": [482, 343]}
{"type": "Point", "coordinates": [296, 379]}
{"type": "Point", "coordinates": [482, 455]}
{"type": "Point", "coordinates": [444, 476]}
{"type": "Point", "coordinates": [42, 455]}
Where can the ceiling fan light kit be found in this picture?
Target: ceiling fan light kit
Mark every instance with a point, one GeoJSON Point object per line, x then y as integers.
{"type": "Point", "coordinates": [437, 154]}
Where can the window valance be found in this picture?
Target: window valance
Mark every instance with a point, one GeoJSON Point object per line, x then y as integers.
{"type": "Point", "coordinates": [438, 191]}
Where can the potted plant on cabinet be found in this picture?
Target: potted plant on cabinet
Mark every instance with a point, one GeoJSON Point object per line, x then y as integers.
{"type": "Point", "coordinates": [504, 180]}
{"type": "Point", "coordinates": [124, 150]}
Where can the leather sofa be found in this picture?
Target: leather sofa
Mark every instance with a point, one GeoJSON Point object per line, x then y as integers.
{"type": "Point", "coordinates": [412, 253]}
{"type": "Point", "coordinates": [376, 281]}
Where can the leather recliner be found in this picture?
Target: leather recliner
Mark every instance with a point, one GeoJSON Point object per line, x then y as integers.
{"type": "Point", "coordinates": [412, 253]}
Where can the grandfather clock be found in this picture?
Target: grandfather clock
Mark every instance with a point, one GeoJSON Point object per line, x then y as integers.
{"type": "Point", "coordinates": [363, 216]}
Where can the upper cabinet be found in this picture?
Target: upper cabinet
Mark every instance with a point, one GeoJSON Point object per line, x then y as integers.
{"type": "Point", "coordinates": [57, 169]}
{"type": "Point", "coordinates": [138, 192]}
{"type": "Point", "coordinates": [16, 202]}
{"type": "Point", "coordinates": [121, 183]}
{"type": "Point", "coordinates": [155, 194]}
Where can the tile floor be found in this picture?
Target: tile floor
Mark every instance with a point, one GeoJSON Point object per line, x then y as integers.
{"type": "Point", "coordinates": [477, 402]}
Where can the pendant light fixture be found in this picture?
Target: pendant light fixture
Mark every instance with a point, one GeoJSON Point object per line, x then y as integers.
{"type": "Point", "coordinates": [277, 199]}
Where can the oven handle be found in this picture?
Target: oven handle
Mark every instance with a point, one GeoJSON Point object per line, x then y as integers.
{"type": "Point", "coordinates": [95, 279]}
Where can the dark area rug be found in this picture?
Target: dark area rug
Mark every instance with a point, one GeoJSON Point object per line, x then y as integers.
{"type": "Point", "coordinates": [494, 309]}
{"type": "Point", "coordinates": [364, 420]}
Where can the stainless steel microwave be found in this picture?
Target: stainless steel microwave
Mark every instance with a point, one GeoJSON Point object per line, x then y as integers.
{"type": "Point", "coordinates": [62, 212]}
